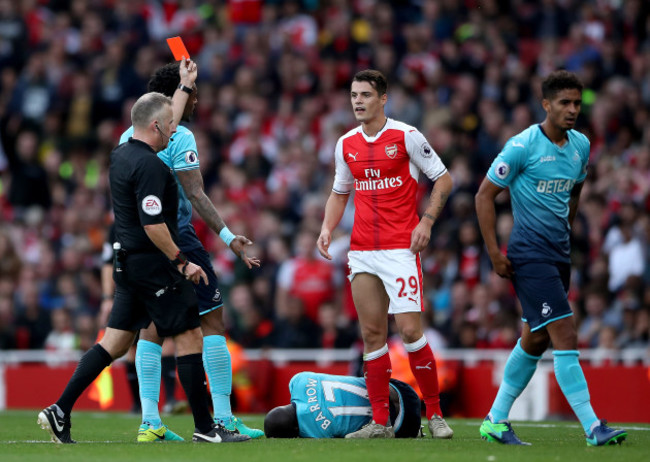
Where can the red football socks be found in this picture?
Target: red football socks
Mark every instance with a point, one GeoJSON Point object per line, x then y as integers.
{"type": "Point", "coordinates": [423, 366]}
{"type": "Point", "coordinates": [377, 374]}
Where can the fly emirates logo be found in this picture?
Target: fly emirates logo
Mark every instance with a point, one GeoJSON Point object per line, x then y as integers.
{"type": "Point", "coordinates": [375, 182]}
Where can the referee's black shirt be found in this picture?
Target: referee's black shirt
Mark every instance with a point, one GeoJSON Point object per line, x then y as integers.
{"type": "Point", "coordinates": [144, 192]}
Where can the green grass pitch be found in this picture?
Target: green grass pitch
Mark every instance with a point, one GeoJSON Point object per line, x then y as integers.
{"type": "Point", "coordinates": [111, 437]}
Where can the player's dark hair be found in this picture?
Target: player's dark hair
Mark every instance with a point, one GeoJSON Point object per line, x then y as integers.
{"type": "Point", "coordinates": [560, 80]}
{"type": "Point", "coordinates": [412, 408]}
{"type": "Point", "coordinates": [166, 79]}
{"type": "Point", "coordinates": [281, 422]}
{"type": "Point", "coordinates": [375, 78]}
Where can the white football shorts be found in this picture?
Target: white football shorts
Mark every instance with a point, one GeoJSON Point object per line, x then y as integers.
{"type": "Point", "coordinates": [398, 269]}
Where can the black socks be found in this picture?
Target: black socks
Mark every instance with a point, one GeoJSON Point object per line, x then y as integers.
{"type": "Point", "coordinates": [90, 366]}
{"type": "Point", "coordinates": [192, 377]}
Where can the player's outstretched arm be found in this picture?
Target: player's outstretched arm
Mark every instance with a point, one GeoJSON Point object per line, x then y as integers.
{"type": "Point", "coordinates": [192, 183]}
{"type": "Point", "coordinates": [334, 209]}
{"type": "Point", "coordinates": [188, 72]}
{"type": "Point", "coordinates": [487, 219]}
{"type": "Point", "coordinates": [439, 194]}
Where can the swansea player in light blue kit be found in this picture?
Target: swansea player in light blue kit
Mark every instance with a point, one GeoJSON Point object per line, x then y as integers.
{"type": "Point", "coordinates": [182, 157]}
{"type": "Point", "coordinates": [332, 406]}
{"type": "Point", "coordinates": [545, 167]}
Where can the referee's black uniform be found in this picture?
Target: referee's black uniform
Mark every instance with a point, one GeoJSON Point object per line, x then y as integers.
{"type": "Point", "coordinates": [149, 287]}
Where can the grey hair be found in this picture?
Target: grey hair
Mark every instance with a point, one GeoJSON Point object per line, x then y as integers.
{"type": "Point", "coordinates": [148, 107]}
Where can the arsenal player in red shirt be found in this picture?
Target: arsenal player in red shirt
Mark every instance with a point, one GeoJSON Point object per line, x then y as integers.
{"type": "Point", "coordinates": [381, 160]}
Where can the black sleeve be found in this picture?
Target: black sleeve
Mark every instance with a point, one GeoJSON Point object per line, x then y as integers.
{"type": "Point", "coordinates": [149, 188]}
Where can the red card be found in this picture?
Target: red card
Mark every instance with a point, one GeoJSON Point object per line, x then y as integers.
{"type": "Point", "coordinates": [178, 48]}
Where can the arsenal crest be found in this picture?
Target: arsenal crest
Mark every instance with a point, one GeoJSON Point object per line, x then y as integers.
{"type": "Point", "coordinates": [391, 151]}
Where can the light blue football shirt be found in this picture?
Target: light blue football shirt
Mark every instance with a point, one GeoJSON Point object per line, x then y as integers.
{"type": "Point", "coordinates": [540, 175]}
{"type": "Point", "coordinates": [180, 155]}
{"type": "Point", "coordinates": [331, 406]}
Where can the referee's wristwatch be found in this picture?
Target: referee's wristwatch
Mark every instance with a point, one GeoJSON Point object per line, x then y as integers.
{"type": "Point", "coordinates": [185, 88]}
{"type": "Point", "coordinates": [180, 259]}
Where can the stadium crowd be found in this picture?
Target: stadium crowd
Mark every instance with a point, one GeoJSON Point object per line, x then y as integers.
{"type": "Point", "coordinates": [273, 91]}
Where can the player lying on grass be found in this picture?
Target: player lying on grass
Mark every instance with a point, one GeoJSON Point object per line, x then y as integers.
{"type": "Point", "coordinates": [332, 406]}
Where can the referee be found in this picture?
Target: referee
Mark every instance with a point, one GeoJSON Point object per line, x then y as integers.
{"type": "Point", "coordinates": [153, 284]}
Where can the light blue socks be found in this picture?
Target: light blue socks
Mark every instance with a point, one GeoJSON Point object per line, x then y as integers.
{"type": "Point", "coordinates": [216, 362]}
{"type": "Point", "coordinates": [572, 381]}
{"type": "Point", "coordinates": [519, 369]}
{"type": "Point", "coordinates": [147, 365]}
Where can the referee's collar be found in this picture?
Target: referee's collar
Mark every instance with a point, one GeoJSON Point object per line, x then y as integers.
{"type": "Point", "coordinates": [134, 141]}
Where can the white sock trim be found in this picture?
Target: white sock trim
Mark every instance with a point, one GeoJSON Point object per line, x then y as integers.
{"type": "Point", "coordinates": [376, 354]}
{"type": "Point", "coordinates": [417, 345]}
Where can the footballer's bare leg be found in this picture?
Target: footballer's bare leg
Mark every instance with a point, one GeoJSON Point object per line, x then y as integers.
{"type": "Point", "coordinates": [534, 343]}
{"type": "Point", "coordinates": [371, 302]}
{"type": "Point", "coordinates": [117, 342]}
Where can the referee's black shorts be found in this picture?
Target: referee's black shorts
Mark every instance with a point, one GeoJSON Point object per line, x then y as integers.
{"type": "Point", "coordinates": [149, 289]}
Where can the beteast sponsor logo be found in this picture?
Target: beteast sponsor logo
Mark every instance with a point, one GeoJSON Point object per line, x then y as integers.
{"type": "Point", "coordinates": [555, 186]}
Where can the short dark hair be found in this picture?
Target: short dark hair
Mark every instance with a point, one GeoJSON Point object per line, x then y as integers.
{"type": "Point", "coordinates": [282, 422]}
{"type": "Point", "coordinates": [560, 80]}
{"type": "Point", "coordinates": [165, 80]}
{"type": "Point", "coordinates": [375, 78]}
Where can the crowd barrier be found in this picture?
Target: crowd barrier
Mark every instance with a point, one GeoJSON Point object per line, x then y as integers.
{"type": "Point", "coordinates": [619, 382]}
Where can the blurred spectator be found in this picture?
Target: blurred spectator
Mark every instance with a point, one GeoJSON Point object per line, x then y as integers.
{"type": "Point", "coordinates": [29, 185]}
{"type": "Point", "coordinates": [246, 324]}
{"type": "Point", "coordinates": [597, 317]}
{"type": "Point", "coordinates": [625, 258]}
{"type": "Point", "coordinates": [307, 277]}
{"type": "Point", "coordinates": [10, 262]}
{"type": "Point", "coordinates": [13, 34]}
{"type": "Point", "coordinates": [34, 93]}
{"type": "Point", "coordinates": [7, 326]}
{"type": "Point", "coordinates": [335, 331]}
{"type": "Point", "coordinates": [294, 329]}
{"type": "Point", "coordinates": [61, 338]}
{"type": "Point", "coordinates": [32, 322]}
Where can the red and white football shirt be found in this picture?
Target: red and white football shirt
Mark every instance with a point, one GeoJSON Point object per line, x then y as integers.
{"type": "Point", "coordinates": [383, 171]}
